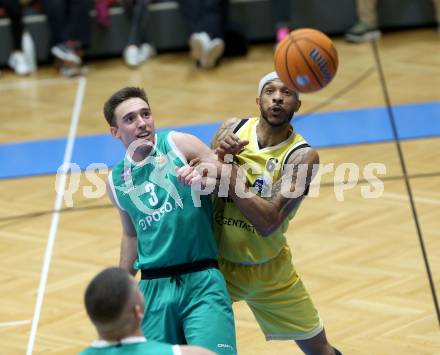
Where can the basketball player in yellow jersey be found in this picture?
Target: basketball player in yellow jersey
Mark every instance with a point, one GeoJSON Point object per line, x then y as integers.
{"type": "Point", "coordinates": [254, 255]}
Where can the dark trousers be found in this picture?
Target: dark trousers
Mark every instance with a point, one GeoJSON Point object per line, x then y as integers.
{"type": "Point", "coordinates": [281, 12]}
{"type": "Point", "coordinates": [205, 16]}
{"type": "Point", "coordinates": [69, 20]}
{"type": "Point", "coordinates": [14, 12]}
{"type": "Point", "coordinates": [137, 11]}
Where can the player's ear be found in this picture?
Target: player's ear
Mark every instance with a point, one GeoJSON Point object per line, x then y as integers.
{"type": "Point", "coordinates": [138, 311]}
{"type": "Point", "coordinates": [257, 100]}
{"type": "Point", "coordinates": [298, 105]}
{"type": "Point", "coordinates": [114, 131]}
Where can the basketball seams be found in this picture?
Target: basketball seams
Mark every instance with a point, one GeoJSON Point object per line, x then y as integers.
{"type": "Point", "coordinates": [279, 60]}
{"type": "Point", "coordinates": [308, 64]}
{"type": "Point", "coordinates": [286, 61]}
{"type": "Point", "coordinates": [306, 56]}
{"type": "Point", "coordinates": [322, 48]}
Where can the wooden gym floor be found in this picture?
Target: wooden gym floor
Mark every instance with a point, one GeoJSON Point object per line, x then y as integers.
{"type": "Point", "coordinates": [359, 258]}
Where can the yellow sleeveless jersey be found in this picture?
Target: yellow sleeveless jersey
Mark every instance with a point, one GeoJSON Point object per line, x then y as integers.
{"type": "Point", "coordinates": [237, 239]}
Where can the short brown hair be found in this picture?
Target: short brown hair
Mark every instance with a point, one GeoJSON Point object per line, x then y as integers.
{"type": "Point", "coordinates": [107, 294]}
{"type": "Point", "coordinates": [118, 97]}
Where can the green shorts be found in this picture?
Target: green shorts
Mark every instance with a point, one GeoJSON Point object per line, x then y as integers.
{"type": "Point", "coordinates": [192, 309]}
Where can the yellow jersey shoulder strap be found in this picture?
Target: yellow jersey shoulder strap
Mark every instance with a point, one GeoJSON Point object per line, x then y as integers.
{"type": "Point", "coordinates": [301, 144]}
{"type": "Point", "coordinates": [240, 124]}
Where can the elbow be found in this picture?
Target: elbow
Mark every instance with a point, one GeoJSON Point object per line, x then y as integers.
{"type": "Point", "coordinates": [129, 236]}
{"type": "Point", "coordinates": [268, 224]}
{"type": "Point", "coordinates": [267, 231]}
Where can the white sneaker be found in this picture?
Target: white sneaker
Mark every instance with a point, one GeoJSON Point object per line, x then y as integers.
{"type": "Point", "coordinates": [18, 62]}
{"type": "Point", "coordinates": [27, 44]}
{"type": "Point", "coordinates": [62, 52]}
{"type": "Point", "coordinates": [213, 53]}
{"type": "Point", "coordinates": [199, 43]}
{"type": "Point", "coordinates": [145, 52]}
{"type": "Point", "coordinates": [131, 55]}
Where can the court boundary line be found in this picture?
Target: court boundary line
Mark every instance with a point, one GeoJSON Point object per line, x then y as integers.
{"type": "Point", "coordinates": [56, 214]}
{"type": "Point", "coordinates": [32, 83]}
{"type": "Point", "coordinates": [404, 197]}
{"type": "Point", "coordinates": [15, 323]}
{"type": "Point", "coordinates": [389, 107]}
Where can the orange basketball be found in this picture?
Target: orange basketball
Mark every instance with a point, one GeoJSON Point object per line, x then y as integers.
{"type": "Point", "coordinates": [306, 60]}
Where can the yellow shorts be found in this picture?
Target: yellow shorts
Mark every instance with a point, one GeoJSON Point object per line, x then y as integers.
{"type": "Point", "coordinates": [276, 295]}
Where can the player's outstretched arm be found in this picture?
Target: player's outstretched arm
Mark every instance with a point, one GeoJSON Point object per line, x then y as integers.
{"type": "Point", "coordinates": [201, 157]}
{"type": "Point", "coordinates": [192, 147]}
{"type": "Point", "coordinates": [129, 238]}
{"type": "Point", "coordinates": [196, 153]}
{"type": "Point", "coordinates": [267, 213]}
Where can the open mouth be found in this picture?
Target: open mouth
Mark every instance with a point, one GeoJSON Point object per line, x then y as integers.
{"type": "Point", "coordinates": [142, 135]}
{"type": "Point", "coordinates": [276, 109]}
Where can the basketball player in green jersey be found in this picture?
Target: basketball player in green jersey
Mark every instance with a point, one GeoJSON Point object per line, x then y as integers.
{"type": "Point", "coordinates": [254, 256]}
{"type": "Point", "coordinates": [165, 235]}
{"type": "Point", "coordinates": [116, 307]}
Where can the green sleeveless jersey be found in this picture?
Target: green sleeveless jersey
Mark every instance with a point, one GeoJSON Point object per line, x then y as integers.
{"type": "Point", "coordinates": [173, 224]}
{"type": "Point", "coordinates": [129, 346]}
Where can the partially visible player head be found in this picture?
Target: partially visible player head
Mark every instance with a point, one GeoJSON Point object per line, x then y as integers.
{"type": "Point", "coordinates": [277, 103]}
{"type": "Point", "coordinates": [114, 304]}
{"type": "Point", "coordinates": [129, 115]}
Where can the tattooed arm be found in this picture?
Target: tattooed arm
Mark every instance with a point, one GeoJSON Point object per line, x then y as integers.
{"type": "Point", "coordinates": [267, 213]}
{"type": "Point", "coordinates": [224, 130]}
{"type": "Point", "coordinates": [225, 141]}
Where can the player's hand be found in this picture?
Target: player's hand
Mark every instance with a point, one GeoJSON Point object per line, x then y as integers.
{"type": "Point", "coordinates": [187, 172]}
{"type": "Point", "coordinates": [231, 144]}
{"type": "Point", "coordinates": [188, 175]}
{"type": "Point", "coordinates": [194, 162]}
{"type": "Point", "coordinates": [207, 166]}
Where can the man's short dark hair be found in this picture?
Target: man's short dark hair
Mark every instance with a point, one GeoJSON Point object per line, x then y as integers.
{"type": "Point", "coordinates": [117, 98]}
{"type": "Point", "coordinates": [107, 294]}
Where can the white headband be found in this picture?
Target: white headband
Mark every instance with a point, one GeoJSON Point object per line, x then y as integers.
{"type": "Point", "coordinates": [270, 77]}
{"type": "Point", "coordinates": [265, 79]}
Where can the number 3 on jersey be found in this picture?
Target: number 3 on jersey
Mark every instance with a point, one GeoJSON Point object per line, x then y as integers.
{"type": "Point", "coordinates": [149, 188]}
